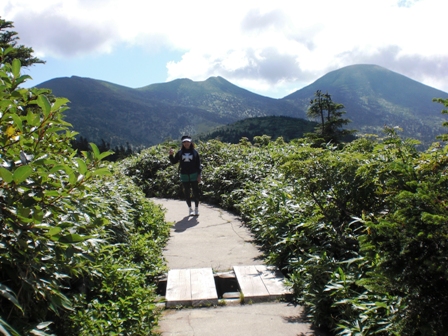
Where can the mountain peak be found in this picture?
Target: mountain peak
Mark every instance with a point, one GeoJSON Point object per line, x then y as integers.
{"type": "Point", "coordinates": [372, 95]}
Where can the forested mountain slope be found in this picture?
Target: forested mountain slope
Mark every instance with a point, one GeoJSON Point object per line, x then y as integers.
{"type": "Point", "coordinates": [373, 97]}
{"type": "Point", "coordinates": [277, 126]}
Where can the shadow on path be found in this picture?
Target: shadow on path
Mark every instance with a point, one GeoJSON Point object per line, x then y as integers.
{"type": "Point", "coordinates": [186, 223]}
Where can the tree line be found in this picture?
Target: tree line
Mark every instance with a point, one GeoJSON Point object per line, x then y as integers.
{"type": "Point", "coordinates": [119, 152]}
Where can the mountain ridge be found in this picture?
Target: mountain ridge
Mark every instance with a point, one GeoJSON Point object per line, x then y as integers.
{"type": "Point", "coordinates": [373, 97]}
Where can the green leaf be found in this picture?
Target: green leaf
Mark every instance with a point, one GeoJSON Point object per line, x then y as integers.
{"type": "Point", "coordinates": [72, 179]}
{"type": "Point", "coordinates": [51, 193]}
{"type": "Point", "coordinates": [22, 79]}
{"type": "Point", "coordinates": [381, 304]}
{"type": "Point", "coordinates": [22, 173]}
{"type": "Point", "coordinates": [55, 129]}
{"type": "Point", "coordinates": [105, 154]}
{"type": "Point", "coordinates": [38, 215]}
{"type": "Point", "coordinates": [10, 330]}
{"type": "Point", "coordinates": [6, 175]}
{"type": "Point", "coordinates": [44, 104]}
{"type": "Point", "coordinates": [82, 167]}
{"type": "Point", "coordinates": [60, 300]}
{"type": "Point", "coordinates": [38, 333]}
{"type": "Point", "coordinates": [101, 172]}
{"type": "Point", "coordinates": [96, 151]}
{"type": "Point", "coordinates": [8, 294]}
{"type": "Point", "coordinates": [59, 102]}
{"type": "Point", "coordinates": [17, 122]}
{"type": "Point", "coordinates": [4, 104]}
{"type": "Point", "coordinates": [54, 231]}
{"type": "Point", "coordinates": [59, 167]}
{"type": "Point", "coordinates": [16, 67]}
{"type": "Point", "coordinates": [32, 119]}
{"type": "Point", "coordinates": [73, 238]}
{"type": "Point", "coordinates": [43, 325]}
{"type": "Point", "coordinates": [24, 212]}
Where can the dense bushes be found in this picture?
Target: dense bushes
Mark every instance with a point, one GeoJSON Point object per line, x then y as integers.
{"type": "Point", "coordinates": [226, 169]}
{"type": "Point", "coordinates": [407, 240]}
{"type": "Point", "coordinates": [361, 231]}
{"type": "Point", "coordinates": [121, 295]}
{"type": "Point", "coordinates": [80, 247]}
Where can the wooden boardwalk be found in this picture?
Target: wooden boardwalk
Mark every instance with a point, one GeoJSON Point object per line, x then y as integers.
{"type": "Point", "coordinates": [260, 282]}
{"type": "Point", "coordinates": [196, 287]}
{"type": "Point", "coordinates": [191, 287]}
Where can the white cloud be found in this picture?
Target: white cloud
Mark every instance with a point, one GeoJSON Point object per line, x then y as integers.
{"type": "Point", "coordinates": [264, 44]}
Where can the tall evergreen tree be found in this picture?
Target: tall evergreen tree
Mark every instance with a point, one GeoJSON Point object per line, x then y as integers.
{"type": "Point", "coordinates": [443, 137]}
{"type": "Point", "coordinates": [330, 117]}
{"type": "Point", "coordinates": [9, 39]}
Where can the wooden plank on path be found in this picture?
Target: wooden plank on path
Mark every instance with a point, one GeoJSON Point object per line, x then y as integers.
{"type": "Point", "coordinates": [203, 288]}
{"type": "Point", "coordinates": [178, 288]}
{"type": "Point", "coordinates": [190, 287]}
{"type": "Point", "coordinates": [274, 281]}
{"type": "Point", "coordinates": [250, 282]}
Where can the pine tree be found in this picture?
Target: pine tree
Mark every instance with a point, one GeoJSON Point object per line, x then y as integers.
{"type": "Point", "coordinates": [330, 117]}
{"type": "Point", "coordinates": [9, 39]}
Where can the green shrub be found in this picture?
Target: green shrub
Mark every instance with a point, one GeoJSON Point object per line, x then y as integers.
{"type": "Point", "coordinates": [226, 170]}
{"type": "Point", "coordinates": [406, 241]}
{"type": "Point", "coordinates": [360, 230]}
{"type": "Point", "coordinates": [153, 173]}
{"type": "Point", "coordinates": [80, 249]}
{"type": "Point", "coordinates": [48, 223]}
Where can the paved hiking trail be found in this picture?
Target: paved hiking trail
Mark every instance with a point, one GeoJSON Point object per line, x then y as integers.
{"type": "Point", "coordinates": [217, 239]}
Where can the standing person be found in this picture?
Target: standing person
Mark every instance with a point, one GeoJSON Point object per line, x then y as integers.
{"type": "Point", "coordinates": [190, 171]}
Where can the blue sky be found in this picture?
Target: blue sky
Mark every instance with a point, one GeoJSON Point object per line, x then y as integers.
{"type": "Point", "coordinates": [268, 47]}
{"type": "Point", "coordinates": [128, 66]}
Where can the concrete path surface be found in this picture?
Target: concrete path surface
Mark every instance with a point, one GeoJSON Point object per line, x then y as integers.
{"type": "Point", "coordinates": [218, 239]}
{"type": "Point", "coordinates": [257, 319]}
{"type": "Point", "coordinates": [215, 238]}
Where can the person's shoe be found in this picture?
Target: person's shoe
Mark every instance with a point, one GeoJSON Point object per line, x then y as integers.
{"type": "Point", "coordinates": [196, 211]}
{"type": "Point", "coordinates": [190, 212]}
